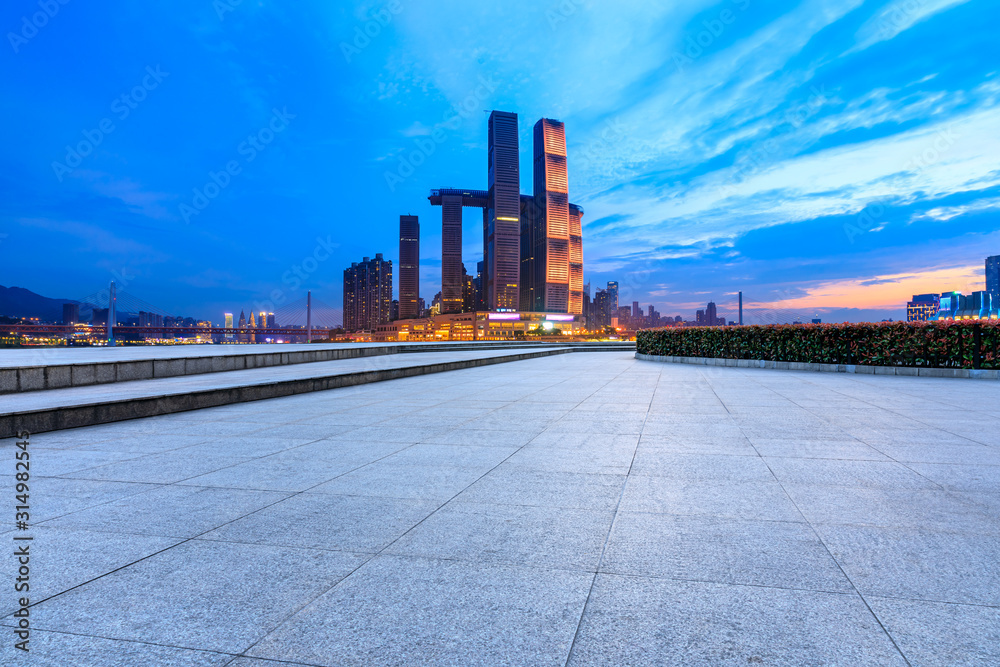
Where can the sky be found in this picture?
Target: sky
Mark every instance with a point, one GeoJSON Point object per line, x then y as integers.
{"type": "Point", "coordinates": [828, 158]}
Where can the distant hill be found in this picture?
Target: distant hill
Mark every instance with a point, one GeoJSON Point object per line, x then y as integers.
{"type": "Point", "coordinates": [19, 302]}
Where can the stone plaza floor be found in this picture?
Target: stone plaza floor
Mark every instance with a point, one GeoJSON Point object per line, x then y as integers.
{"type": "Point", "coordinates": [581, 509]}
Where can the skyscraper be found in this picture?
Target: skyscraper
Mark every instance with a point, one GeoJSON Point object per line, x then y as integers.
{"type": "Point", "coordinates": [468, 292]}
{"type": "Point", "coordinates": [993, 277]}
{"type": "Point", "coordinates": [602, 309]}
{"type": "Point", "coordinates": [613, 296]}
{"type": "Point", "coordinates": [502, 237]}
{"type": "Point", "coordinates": [551, 218]}
{"type": "Point", "coordinates": [229, 324]}
{"type": "Point", "coordinates": [451, 253]}
{"type": "Point", "coordinates": [575, 259]}
{"type": "Point", "coordinates": [529, 300]}
{"type": "Point", "coordinates": [480, 303]}
{"type": "Point", "coordinates": [367, 294]}
{"type": "Point", "coordinates": [409, 265]}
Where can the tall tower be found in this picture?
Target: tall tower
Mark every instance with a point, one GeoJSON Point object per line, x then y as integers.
{"type": "Point", "coordinates": [551, 238]}
{"type": "Point", "coordinates": [993, 278]}
{"type": "Point", "coordinates": [409, 265]}
{"type": "Point", "coordinates": [501, 234]}
{"type": "Point", "coordinates": [575, 259]}
{"type": "Point", "coordinates": [451, 253]}
{"type": "Point", "coordinates": [367, 294]}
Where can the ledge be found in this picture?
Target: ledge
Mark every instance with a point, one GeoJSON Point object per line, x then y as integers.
{"type": "Point", "coordinates": [907, 371]}
{"type": "Point", "coordinates": [54, 374]}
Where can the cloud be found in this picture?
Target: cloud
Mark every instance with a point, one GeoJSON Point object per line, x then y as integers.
{"type": "Point", "coordinates": [896, 17]}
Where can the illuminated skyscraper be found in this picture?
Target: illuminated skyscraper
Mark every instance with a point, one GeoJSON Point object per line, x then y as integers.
{"type": "Point", "coordinates": [551, 218]}
{"type": "Point", "coordinates": [409, 265]}
{"type": "Point", "coordinates": [367, 294]}
{"type": "Point", "coordinates": [502, 238]}
{"type": "Point", "coordinates": [993, 278]}
{"type": "Point", "coordinates": [229, 324]}
{"type": "Point", "coordinates": [613, 295]}
{"type": "Point", "coordinates": [575, 259]}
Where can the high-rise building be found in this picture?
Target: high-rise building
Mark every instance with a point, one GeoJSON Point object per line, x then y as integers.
{"type": "Point", "coordinates": [922, 307]}
{"type": "Point", "coordinates": [528, 301]}
{"type": "Point", "coordinates": [993, 277]}
{"type": "Point", "coordinates": [367, 294]}
{"type": "Point", "coordinates": [502, 232]}
{"type": "Point", "coordinates": [575, 259]}
{"type": "Point", "coordinates": [613, 296]}
{"type": "Point", "coordinates": [451, 253]}
{"type": "Point", "coordinates": [551, 218]}
{"type": "Point", "coordinates": [636, 310]}
{"type": "Point", "coordinates": [71, 313]}
{"type": "Point", "coordinates": [468, 292]}
{"type": "Point", "coordinates": [601, 309]}
{"type": "Point", "coordinates": [480, 290]}
{"type": "Point", "coordinates": [409, 264]}
{"type": "Point", "coordinates": [229, 324]}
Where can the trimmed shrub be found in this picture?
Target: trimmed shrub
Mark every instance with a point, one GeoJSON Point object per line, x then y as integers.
{"type": "Point", "coordinates": [962, 344]}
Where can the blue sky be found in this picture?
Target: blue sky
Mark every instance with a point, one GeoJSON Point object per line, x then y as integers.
{"type": "Point", "coordinates": [828, 158]}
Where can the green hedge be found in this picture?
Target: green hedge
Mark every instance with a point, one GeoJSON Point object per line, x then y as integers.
{"type": "Point", "coordinates": [963, 344]}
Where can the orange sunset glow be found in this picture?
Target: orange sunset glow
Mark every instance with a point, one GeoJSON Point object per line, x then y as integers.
{"type": "Point", "coordinates": [884, 291]}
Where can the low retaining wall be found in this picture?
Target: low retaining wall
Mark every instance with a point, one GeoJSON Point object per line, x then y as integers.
{"type": "Point", "coordinates": [63, 376]}
{"type": "Point", "coordinates": [113, 410]}
{"type": "Point", "coordinates": [829, 368]}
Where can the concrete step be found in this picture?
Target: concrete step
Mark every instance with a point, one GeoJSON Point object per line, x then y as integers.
{"type": "Point", "coordinates": [60, 368]}
{"type": "Point", "coordinates": [71, 407]}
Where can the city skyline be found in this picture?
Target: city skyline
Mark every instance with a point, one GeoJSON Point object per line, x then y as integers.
{"type": "Point", "coordinates": [806, 182]}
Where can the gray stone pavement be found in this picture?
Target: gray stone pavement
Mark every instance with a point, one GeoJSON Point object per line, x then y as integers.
{"type": "Point", "coordinates": [579, 509]}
